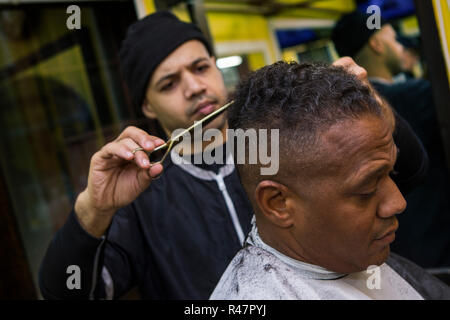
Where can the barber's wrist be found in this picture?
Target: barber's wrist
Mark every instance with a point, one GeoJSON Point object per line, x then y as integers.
{"type": "Point", "coordinates": [93, 221]}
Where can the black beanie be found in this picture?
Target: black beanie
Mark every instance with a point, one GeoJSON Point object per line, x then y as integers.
{"type": "Point", "coordinates": [351, 33]}
{"type": "Point", "coordinates": [147, 43]}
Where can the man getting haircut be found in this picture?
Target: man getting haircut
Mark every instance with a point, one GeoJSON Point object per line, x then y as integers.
{"type": "Point", "coordinates": [329, 213]}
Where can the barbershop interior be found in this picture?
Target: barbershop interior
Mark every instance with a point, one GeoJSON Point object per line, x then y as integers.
{"type": "Point", "coordinates": [63, 97]}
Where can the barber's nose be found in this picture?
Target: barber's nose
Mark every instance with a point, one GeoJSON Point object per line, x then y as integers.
{"type": "Point", "coordinates": [193, 86]}
{"type": "Point", "coordinates": [393, 202]}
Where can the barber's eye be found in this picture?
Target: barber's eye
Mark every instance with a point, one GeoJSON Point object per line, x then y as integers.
{"type": "Point", "coordinates": [202, 68]}
{"type": "Point", "coordinates": [167, 86]}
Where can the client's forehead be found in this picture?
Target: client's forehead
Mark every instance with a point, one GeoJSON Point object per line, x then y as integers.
{"type": "Point", "coordinates": [344, 147]}
{"type": "Point", "coordinates": [353, 143]}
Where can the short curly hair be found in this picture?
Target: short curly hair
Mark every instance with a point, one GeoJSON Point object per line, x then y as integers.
{"type": "Point", "coordinates": [301, 100]}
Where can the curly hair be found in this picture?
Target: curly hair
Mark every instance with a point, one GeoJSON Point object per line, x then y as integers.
{"type": "Point", "coordinates": [301, 100]}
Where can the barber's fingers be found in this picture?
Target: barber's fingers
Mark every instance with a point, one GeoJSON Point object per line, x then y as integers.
{"type": "Point", "coordinates": [140, 157]}
{"type": "Point", "coordinates": [123, 150]}
{"type": "Point", "coordinates": [117, 153]}
{"type": "Point", "coordinates": [115, 150]}
{"type": "Point", "coordinates": [155, 170]}
{"type": "Point", "coordinates": [140, 137]}
{"type": "Point", "coordinates": [344, 62]}
{"type": "Point", "coordinates": [347, 63]}
{"type": "Point", "coordinates": [350, 65]}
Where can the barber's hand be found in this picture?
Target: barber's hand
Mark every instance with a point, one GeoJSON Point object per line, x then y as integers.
{"type": "Point", "coordinates": [116, 178]}
{"type": "Point", "coordinates": [350, 65]}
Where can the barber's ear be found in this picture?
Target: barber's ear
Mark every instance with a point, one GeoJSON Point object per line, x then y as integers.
{"type": "Point", "coordinates": [147, 110]}
{"type": "Point", "coordinates": [213, 61]}
{"type": "Point", "coordinates": [275, 203]}
{"type": "Point", "coordinates": [376, 44]}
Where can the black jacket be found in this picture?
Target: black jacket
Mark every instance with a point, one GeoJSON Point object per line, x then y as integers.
{"type": "Point", "coordinates": [174, 241]}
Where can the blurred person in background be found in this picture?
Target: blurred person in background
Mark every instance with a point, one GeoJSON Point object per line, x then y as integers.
{"type": "Point", "coordinates": [411, 59]}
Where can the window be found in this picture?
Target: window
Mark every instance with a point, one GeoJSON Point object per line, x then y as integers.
{"type": "Point", "coordinates": [61, 99]}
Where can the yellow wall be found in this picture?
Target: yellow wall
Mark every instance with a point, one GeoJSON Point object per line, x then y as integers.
{"type": "Point", "coordinates": [149, 6]}
{"type": "Point", "coordinates": [442, 18]}
{"type": "Point", "coordinates": [410, 26]}
{"type": "Point", "coordinates": [226, 27]}
{"type": "Point", "coordinates": [237, 27]}
{"type": "Point", "coordinates": [325, 9]}
{"type": "Point", "coordinates": [242, 27]}
{"type": "Point", "coordinates": [247, 28]}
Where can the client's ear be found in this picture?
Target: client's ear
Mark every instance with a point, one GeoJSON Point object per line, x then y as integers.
{"type": "Point", "coordinates": [274, 201]}
{"type": "Point", "coordinates": [147, 110]}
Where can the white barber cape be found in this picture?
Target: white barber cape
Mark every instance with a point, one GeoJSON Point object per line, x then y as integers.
{"type": "Point", "coordinates": [261, 272]}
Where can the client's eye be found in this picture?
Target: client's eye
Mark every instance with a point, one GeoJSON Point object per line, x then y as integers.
{"type": "Point", "coordinates": [368, 195]}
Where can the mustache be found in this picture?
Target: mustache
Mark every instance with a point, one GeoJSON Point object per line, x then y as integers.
{"type": "Point", "coordinates": [200, 99]}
